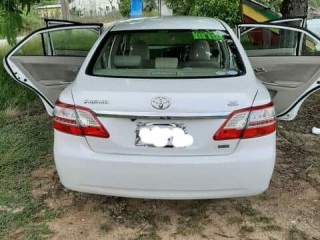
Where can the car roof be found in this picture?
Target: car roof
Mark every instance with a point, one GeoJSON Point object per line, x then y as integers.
{"type": "Point", "coordinates": [169, 23]}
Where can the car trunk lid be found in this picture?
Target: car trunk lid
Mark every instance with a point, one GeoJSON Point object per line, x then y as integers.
{"type": "Point", "coordinates": [199, 106]}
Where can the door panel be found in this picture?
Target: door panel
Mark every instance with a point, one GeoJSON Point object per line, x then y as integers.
{"type": "Point", "coordinates": [286, 88]}
{"type": "Point", "coordinates": [50, 75]}
{"type": "Point", "coordinates": [54, 22]}
{"type": "Point", "coordinates": [287, 62]}
{"type": "Point", "coordinates": [48, 60]}
{"type": "Point", "coordinates": [293, 22]}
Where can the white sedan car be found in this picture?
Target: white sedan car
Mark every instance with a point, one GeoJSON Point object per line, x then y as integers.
{"type": "Point", "coordinates": [167, 108]}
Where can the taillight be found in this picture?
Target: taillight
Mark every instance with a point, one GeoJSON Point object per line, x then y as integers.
{"type": "Point", "coordinates": [248, 123]}
{"type": "Point", "coordinates": [77, 120]}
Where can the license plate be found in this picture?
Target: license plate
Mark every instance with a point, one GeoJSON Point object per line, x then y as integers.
{"type": "Point", "coordinates": [163, 135]}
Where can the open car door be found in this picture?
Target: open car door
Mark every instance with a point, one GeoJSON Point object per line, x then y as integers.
{"type": "Point", "coordinates": [291, 22]}
{"type": "Point", "coordinates": [49, 22]}
{"type": "Point", "coordinates": [48, 60]}
{"type": "Point", "coordinates": [287, 61]}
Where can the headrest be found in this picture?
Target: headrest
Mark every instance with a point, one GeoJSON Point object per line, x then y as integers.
{"type": "Point", "coordinates": [167, 63]}
{"type": "Point", "coordinates": [127, 61]}
{"type": "Point", "coordinates": [200, 50]}
{"type": "Point", "coordinates": [140, 48]}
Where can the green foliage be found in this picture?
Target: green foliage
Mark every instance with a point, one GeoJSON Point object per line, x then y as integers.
{"type": "Point", "coordinates": [226, 10]}
{"type": "Point", "coordinates": [10, 22]}
{"type": "Point", "coordinates": [149, 5]}
{"type": "Point", "coordinates": [275, 5]}
{"type": "Point", "coordinates": [181, 7]}
{"type": "Point", "coordinates": [30, 22]}
{"type": "Point", "coordinates": [148, 11]}
{"type": "Point", "coordinates": [11, 17]}
{"type": "Point", "coordinates": [314, 3]}
{"type": "Point", "coordinates": [152, 13]}
{"type": "Point", "coordinates": [124, 8]}
{"type": "Point", "coordinates": [25, 145]}
{"type": "Point", "coordinates": [46, 2]}
{"type": "Point", "coordinates": [12, 94]}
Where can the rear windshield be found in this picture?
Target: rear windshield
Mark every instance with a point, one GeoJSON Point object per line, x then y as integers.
{"type": "Point", "coordinates": [167, 54]}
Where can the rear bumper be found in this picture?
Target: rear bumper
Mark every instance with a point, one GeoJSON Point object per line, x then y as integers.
{"type": "Point", "coordinates": [246, 172]}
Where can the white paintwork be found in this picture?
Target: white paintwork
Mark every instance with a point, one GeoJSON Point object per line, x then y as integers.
{"type": "Point", "coordinates": [167, 23]}
{"type": "Point", "coordinates": [209, 98]}
{"type": "Point", "coordinates": [115, 166]}
{"type": "Point", "coordinates": [245, 172]}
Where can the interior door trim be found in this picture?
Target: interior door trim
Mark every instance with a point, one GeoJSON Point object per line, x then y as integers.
{"type": "Point", "coordinates": [22, 42]}
{"type": "Point", "coordinates": [313, 90]}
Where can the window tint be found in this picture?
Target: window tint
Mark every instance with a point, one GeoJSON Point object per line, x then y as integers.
{"type": "Point", "coordinates": [314, 26]}
{"type": "Point", "coordinates": [270, 42]}
{"type": "Point", "coordinates": [75, 42]}
{"type": "Point", "coordinates": [167, 54]}
{"type": "Point", "coordinates": [310, 47]}
{"type": "Point", "coordinates": [70, 42]}
{"type": "Point", "coordinates": [33, 47]}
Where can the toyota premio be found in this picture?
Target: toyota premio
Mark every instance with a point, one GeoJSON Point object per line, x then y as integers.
{"type": "Point", "coordinates": [167, 108]}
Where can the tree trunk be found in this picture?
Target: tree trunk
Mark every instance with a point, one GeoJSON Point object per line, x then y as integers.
{"type": "Point", "coordinates": [294, 8]}
{"type": "Point", "coordinates": [65, 9]}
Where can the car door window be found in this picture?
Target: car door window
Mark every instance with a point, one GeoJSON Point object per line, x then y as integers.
{"type": "Point", "coordinates": [48, 60]}
{"type": "Point", "coordinates": [290, 22]}
{"type": "Point", "coordinates": [32, 48]}
{"type": "Point", "coordinates": [76, 42]}
{"type": "Point", "coordinates": [57, 22]}
{"type": "Point", "coordinates": [310, 47]}
{"type": "Point", "coordinates": [270, 41]}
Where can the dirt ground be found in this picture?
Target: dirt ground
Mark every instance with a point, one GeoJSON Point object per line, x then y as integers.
{"type": "Point", "coordinates": [290, 209]}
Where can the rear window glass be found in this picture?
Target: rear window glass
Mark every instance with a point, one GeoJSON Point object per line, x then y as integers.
{"type": "Point", "coordinates": [167, 54]}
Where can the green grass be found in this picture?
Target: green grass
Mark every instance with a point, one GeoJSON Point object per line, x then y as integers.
{"type": "Point", "coordinates": [77, 39]}
{"type": "Point", "coordinates": [25, 145]}
{"type": "Point", "coordinates": [12, 94]}
{"type": "Point", "coordinates": [271, 228]}
{"type": "Point", "coordinates": [31, 47]}
{"type": "Point", "coordinates": [106, 227]}
{"type": "Point", "coordinates": [246, 229]}
{"type": "Point", "coordinates": [296, 234]}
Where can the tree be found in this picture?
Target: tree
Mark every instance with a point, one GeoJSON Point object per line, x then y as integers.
{"type": "Point", "coordinates": [275, 5]}
{"type": "Point", "coordinates": [227, 10]}
{"type": "Point", "coordinates": [294, 8]}
{"type": "Point", "coordinates": [11, 17]}
{"type": "Point", "coordinates": [65, 9]}
{"type": "Point", "coordinates": [124, 8]}
{"type": "Point", "coordinates": [181, 7]}
{"type": "Point", "coordinates": [149, 5]}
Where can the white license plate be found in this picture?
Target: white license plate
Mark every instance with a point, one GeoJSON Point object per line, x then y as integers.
{"type": "Point", "coordinates": [163, 135]}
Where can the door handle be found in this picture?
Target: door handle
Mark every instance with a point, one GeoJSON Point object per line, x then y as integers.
{"type": "Point", "coordinates": [75, 69]}
{"type": "Point", "coordinates": [260, 70]}
{"type": "Point", "coordinates": [64, 82]}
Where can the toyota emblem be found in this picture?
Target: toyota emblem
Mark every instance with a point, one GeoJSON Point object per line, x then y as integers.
{"type": "Point", "coordinates": [161, 103]}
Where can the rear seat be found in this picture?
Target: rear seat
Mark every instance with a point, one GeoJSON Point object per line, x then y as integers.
{"type": "Point", "coordinates": [166, 63]}
{"type": "Point", "coordinates": [141, 48]}
{"type": "Point", "coordinates": [200, 56]}
{"type": "Point", "coordinates": [121, 61]}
